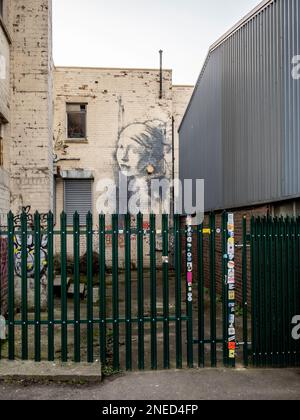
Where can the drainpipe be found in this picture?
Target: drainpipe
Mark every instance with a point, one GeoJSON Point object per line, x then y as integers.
{"type": "Point", "coordinates": [161, 74]}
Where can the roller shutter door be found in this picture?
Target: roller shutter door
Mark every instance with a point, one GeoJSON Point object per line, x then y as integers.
{"type": "Point", "coordinates": [78, 197]}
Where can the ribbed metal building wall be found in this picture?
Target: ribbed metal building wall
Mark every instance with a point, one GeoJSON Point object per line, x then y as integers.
{"type": "Point", "coordinates": [241, 132]}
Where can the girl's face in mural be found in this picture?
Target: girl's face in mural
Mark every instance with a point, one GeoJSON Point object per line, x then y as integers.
{"type": "Point", "coordinates": [131, 155]}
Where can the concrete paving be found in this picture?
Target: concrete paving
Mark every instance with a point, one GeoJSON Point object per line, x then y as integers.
{"type": "Point", "coordinates": [48, 371]}
{"type": "Point", "coordinates": [207, 384]}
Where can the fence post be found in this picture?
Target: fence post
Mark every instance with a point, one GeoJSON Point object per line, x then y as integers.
{"type": "Point", "coordinates": [37, 286]}
{"type": "Point", "coordinates": [153, 292]}
{"type": "Point", "coordinates": [201, 298]}
{"type": "Point", "coordinates": [11, 287]}
{"type": "Point", "coordinates": [64, 302]}
{"type": "Point", "coordinates": [50, 235]}
{"type": "Point", "coordinates": [102, 289]}
{"type": "Point", "coordinates": [165, 229]}
{"type": "Point", "coordinates": [245, 293]}
{"type": "Point", "coordinates": [90, 315]}
{"type": "Point", "coordinates": [140, 259]}
{"type": "Point", "coordinates": [115, 298]}
{"type": "Point", "coordinates": [225, 309]}
{"type": "Point", "coordinates": [178, 290]}
{"type": "Point", "coordinates": [1, 317]}
{"type": "Point", "coordinates": [76, 246]}
{"type": "Point", "coordinates": [24, 286]}
{"type": "Point", "coordinates": [231, 290]}
{"type": "Point", "coordinates": [128, 308]}
{"type": "Point", "coordinates": [213, 303]}
{"type": "Point", "coordinates": [189, 291]}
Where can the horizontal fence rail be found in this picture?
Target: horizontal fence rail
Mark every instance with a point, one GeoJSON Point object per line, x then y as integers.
{"type": "Point", "coordinates": [150, 291]}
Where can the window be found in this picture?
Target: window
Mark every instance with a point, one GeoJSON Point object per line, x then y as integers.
{"type": "Point", "coordinates": [76, 121]}
{"type": "Point", "coordinates": [1, 7]}
{"type": "Point", "coordinates": [78, 197]}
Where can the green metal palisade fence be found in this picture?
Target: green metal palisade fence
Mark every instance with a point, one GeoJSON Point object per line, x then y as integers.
{"type": "Point", "coordinates": [182, 310]}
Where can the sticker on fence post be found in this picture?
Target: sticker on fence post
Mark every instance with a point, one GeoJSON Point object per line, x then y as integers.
{"type": "Point", "coordinates": [2, 328]}
{"type": "Point", "coordinates": [189, 258]}
{"type": "Point", "coordinates": [231, 287]}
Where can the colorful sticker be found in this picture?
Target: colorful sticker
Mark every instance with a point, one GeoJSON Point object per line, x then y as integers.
{"type": "Point", "coordinates": [189, 264]}
{"type": "Point", "coordinates": [230, 250]}
{"type": "Point", "coordinates": [206, 231]}
{"type": "Point", "coordinates": [231, 345]}
{"type": "Point", "coordinates": [231, 286]}
{"type": "Point", "coordinates": [231, 331]}
{"type": "Point", "coordinates": [231, 354]}
{"type": "Point", "coordinates": [231, 295]}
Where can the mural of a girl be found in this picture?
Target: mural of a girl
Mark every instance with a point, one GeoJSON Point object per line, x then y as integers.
{"type": "Point", "coordinates": [142, 152]}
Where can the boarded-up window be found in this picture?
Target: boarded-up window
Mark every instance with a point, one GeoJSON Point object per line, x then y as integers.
{"type": "Point", "coordinates": [78, 197]}
{"type": "Point", "coordinates": [76, 121]}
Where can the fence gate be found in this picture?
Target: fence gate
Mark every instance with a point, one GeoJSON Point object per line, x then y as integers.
{"type": "Point", "coordinates": [275, 266]}
{"type": "Point", "coordinates": [149, 292]}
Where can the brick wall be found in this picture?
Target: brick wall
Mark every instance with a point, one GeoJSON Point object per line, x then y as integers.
{"type": "Point", "coordinates": [238, 215]}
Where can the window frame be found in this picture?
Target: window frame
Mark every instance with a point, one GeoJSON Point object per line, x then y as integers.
{"type": "Point", "coordinates": [76, 139]}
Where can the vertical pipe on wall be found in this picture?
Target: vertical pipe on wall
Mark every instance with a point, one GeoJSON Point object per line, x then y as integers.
{"type": "Point", "coordinates": [161, 74]}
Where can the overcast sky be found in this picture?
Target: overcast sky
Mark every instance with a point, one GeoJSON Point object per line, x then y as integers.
{"type": "Point", "coordinates": [129, 33]}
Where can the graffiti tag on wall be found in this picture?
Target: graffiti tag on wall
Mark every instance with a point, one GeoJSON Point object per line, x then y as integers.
{"type": "Point", "coordinates": [30, 245]}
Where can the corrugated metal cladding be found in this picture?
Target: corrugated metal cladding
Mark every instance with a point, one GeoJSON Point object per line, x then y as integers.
{"type": "Point", "coordinates": [241, 132]}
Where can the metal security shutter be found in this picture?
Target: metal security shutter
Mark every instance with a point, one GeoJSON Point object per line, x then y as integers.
{"type": "Point", "coordinates": [78, 197]}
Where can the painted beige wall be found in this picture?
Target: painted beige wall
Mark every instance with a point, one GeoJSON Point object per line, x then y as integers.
{"type": "Point", "coordinates": [31, 146]}
{"type": "Point", "coordinates": [26, 105]}
{"type": "Point", "coordinates": [115, 98]}
{"type": "Point", "coordinates": [4, 111]}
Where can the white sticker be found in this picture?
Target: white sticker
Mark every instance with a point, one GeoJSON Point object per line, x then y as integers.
{"type": "Point", "coordinates": [189, 220]}
{"type": "Point", "coordinates": [231, 265]}
{"type": "Point", "coordinates": [165, 260]}
{"type": "Point", "coordinates": [231, 331]}
{"type": "Point", "coordinates": [2, 328]}
{"type": "Point", "coordinates": [230, 218]}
